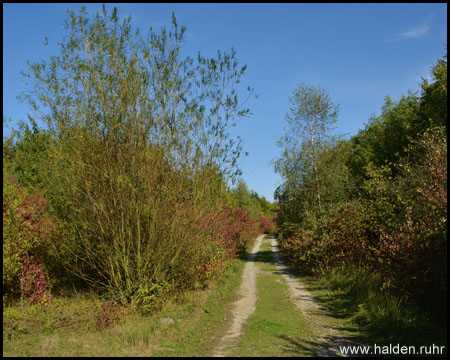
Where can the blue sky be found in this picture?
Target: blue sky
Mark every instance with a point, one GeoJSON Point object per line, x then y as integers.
{"type": "Point", "coordinates": [358, 52]}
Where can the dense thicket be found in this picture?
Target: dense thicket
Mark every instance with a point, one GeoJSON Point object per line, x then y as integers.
{"type": "Point", "coordinates": [129, 178]}
{"type": "Point", "coordinates": [383, 194]}
{"type": "Point", "coordinates": [261, 210]}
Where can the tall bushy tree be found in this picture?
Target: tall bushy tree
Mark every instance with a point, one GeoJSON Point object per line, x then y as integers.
{"type": "Point", "coordinates": [385, 137]}
{"type": "Point", "coordinates": [310, 120]}
{"type": "Point", "coordinates": [141, 152]}
{"type": "Point", "coordinates": [433, 102]}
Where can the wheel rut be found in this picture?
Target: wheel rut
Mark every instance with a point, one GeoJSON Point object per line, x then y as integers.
{"type": "Point", "coordinates": [244, 307]}
{"type": "Point", "coordinates": [327, 337]}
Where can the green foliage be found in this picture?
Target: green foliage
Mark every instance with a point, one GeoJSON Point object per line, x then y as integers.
{"type": "Point", "coordinates": [385, 137]}
{"type": "Point", "coordinates": [27, 154]}
{"type": "Point", "coordinates": [334, 173]}
{"type": "Point", "coordinates": [310, 120]}
{"type": "Point", "coordinates": [135, 158]}
{"type": "Point", "coordinates": [250, 201]}
{"type": "Point", "coordinates": [384, 197]}
{"type": "Point", "coordinates": [341, 237]}
{"type": "Point", "coordinates": [414, 231]}
{"type": "Point", "coordinates": [86, 325]}
{"type": "Point", "coordinates": [116, 85]}
{"type": "Point", "coordinates": [242, 197]}
{"type": "Point", "coordinates": [398, 229]}
{"type": "Point", "coordinates": [27, 234]}
{"type": "Point", "coordinates": [380, 309]}
{"type": "Point", "coordinates": [433, 102]}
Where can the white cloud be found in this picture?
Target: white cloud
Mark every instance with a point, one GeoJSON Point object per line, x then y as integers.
{"type": "Point", "coordinates": [415, 32]}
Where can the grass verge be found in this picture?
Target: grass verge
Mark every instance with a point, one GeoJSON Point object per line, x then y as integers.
{"type": "Point", "coordinates": [375, 312]}
{"type": "Point", "coordinates": [188, 325]}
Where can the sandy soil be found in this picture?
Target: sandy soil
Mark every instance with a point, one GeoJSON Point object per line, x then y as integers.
{"type": "Point", "coordinates": [330, 338]}
{"type": "Point", "coordinates": [245, 306]}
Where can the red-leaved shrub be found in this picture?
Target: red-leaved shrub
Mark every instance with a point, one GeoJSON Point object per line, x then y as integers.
{"type": "Point", "coordinates": [27, 231]}
{"type": "Point", "coordinates": [267, 224]}
{"type": "Point", "coordinates": [234, 227]}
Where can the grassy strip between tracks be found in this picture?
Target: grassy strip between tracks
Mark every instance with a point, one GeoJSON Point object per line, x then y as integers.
{"type": "Point", "coordinates": [277, 327]}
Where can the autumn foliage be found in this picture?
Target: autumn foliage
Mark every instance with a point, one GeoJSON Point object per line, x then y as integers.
{"type": "Point", "coordinates": [383, 195]}
{"type": "Point", "coordinates": [27, 233]}
{"type": "Point", "coordinates": [267, 224]}
{"type": "Point", "coordinates": [126, 191]}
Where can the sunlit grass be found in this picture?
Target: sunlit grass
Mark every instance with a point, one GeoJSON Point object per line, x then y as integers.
{"type": "Point", "coordinates": [277, 327]}
{"type": "Point", "coordinates": [376, 312]}
{"type": "Point", "coordinates": [68, 327]}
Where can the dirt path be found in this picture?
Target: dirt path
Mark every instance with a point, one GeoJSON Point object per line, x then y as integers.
{"type": "Point", "coordinates": [330, 338]}
{"type": "Point", "coordinates": [326, 338]}
{"type": "Point", "coordinates": [243, 307]}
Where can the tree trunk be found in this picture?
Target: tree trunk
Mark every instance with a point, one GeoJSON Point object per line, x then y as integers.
{"type": "Point", "coordinates": [316, 180]}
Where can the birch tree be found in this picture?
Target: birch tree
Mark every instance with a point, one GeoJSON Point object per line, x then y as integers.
{"type": "Point", "coordinates": [309, 121]}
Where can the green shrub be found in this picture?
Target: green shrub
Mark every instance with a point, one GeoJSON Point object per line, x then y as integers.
{"type": "Point", "coordinates": [27, 233]}
{"type": "Point", "coordinates": [139, 155]}
{"type": "Point", "coordinates": [373, 302]}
